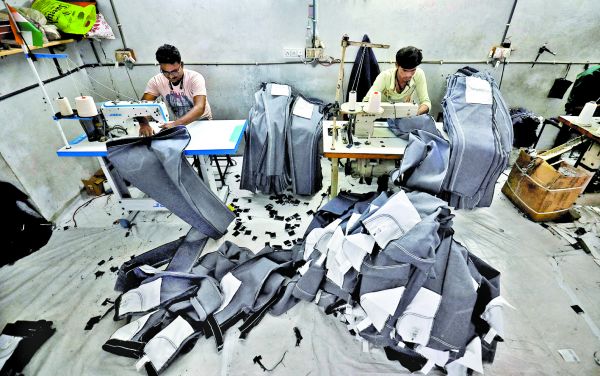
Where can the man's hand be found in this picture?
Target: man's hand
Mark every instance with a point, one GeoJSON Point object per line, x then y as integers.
{"type": "Point", "coordinates": [146, 130]}
{"type": "Point", "coordinates": [168, 125]}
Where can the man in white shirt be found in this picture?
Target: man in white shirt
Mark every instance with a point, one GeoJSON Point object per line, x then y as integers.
{"type": "Point", "coordinates": [183, 90]}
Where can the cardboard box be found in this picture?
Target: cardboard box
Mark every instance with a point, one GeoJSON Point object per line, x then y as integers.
{"type": "Point", "coordinates": [94, 186]}
{"type": "Point", "coordinates": [542, 191]}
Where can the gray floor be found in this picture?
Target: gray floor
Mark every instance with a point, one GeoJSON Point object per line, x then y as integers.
{"type": "Point", "coordinates": [542, 278]}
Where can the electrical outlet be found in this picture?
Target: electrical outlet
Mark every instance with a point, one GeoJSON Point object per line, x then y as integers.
{"type": "Point", "coordinates": [314, 53]}
{"type": "Point", "coordinates": [124, 55]}
{"type": "Point", "coordinates": [293, 53]}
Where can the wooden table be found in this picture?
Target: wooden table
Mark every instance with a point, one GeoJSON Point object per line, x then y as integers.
{"type": "Point", "coordinates": [591, 158]}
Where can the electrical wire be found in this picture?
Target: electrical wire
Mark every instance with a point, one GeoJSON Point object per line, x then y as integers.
{"type": "Point", "coordinates": [83, 206]}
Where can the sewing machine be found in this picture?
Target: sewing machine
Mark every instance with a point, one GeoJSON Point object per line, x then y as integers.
{"type": "Point", "coordinates": [361, 122]}
{"type": "Point", "coordinates": [123, 113]}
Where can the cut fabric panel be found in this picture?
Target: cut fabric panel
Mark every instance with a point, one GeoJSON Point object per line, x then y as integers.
{"type": "Point", "coordinates": [157, 166]}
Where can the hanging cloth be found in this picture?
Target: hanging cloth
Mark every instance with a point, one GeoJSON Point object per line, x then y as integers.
{"type": "Point", "coordinates": [364, 71]}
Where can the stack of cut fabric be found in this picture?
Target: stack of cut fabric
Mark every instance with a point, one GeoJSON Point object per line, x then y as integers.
{"type": "Point", "coordinates": [282, 141]}
{"type": "Point", "coordinates": [387, 265]}
{"type": "Point", "coordinates": [193, 296]}
{"type": "Point", "coordinates": [480, 131]}
{"type": "Point", "coordinates": [391, 269]}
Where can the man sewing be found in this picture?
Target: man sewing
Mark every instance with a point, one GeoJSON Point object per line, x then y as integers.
{"type": "Point", "coordinates": [183, 90]}
{"type": "Point", "coordinates": [398, 84]}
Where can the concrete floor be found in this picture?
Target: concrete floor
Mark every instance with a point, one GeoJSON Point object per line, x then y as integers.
{"type": "Point", "coordinates": [542, 278]}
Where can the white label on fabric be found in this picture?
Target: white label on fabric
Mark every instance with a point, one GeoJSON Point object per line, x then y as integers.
{"type": "Point", "coordinates": [478, 91]}
{"type": "Point", "coordinates": [304, 267]}
{"type": "Point", "coordinates": [229, 285]}
{"type": "Point", "coordinates": [277, 89]}
{"type": "Point", "coordinates": [318, 297]}
{"type": "Point", "coordinates": [8, 345]}
{"type": "Point", "coordinates": [364, 324]}
{"type": "Point", "coordinates": [428, 367]}
{"type": "Point", "coordinates": [472, 357]}
{"type": "Point", "coordinates": [303, 108]}
{"type": "Point", "coordinates": [489, 337]}
{"type": "Point", "coordinates": [569, 355]}
{"type": "Point", "coordinates": [365, 346]}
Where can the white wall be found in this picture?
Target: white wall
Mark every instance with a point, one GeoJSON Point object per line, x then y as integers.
{"type": "Point", "coordinates": [238, 44]}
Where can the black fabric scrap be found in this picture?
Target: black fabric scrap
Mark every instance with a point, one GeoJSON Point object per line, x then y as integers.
{"type": "Point", "coordinates": [298, 336]}
{"type": "Point", "coordinates": [580, 231]}
{"type": "Point", "coordinates": [91, 322]}
{"type": "Point", "coordinates": [254, 238]}
{"type": "Point", "coordinates": [291, 233]}
{"type": "Point", "coordinates": [279, 217]}
{"type": "Point", "coordinates": [257, 360]}
{"type": "Point", "coordinates": [107, 301]}
{"type": "Point", "coordinates": [236, 233]}
{"type": "Point", "coordinates": [247, 232]}
{"type": "Point", "coordinates": [101, 262]}
{"type": "Point", "coordinates": [577, 309]}
{"type": "Point", "coordinates": [114, 268]}
{"type": "Point", "coordinates": [99, 274]}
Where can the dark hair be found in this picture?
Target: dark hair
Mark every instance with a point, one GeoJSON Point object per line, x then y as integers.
{"type": "Point", "coordinates": [409, 57]}
{"type": "Point", "coordinates": [167, 54]}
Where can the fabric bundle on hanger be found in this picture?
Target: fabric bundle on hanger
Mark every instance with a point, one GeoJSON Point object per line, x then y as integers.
{"type": "Point", "coordinates": [364, 71]}
{"type": "Point", "coordinates": [157, 166]}
{"type": "Point", "coordinates": [282, 142]}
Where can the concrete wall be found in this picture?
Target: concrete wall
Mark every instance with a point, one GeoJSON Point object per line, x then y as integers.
{"type": "Point", "coordinates": [238, 44]}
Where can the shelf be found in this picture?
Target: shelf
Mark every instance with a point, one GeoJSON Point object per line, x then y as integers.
{"type": "Point", "coordinates": [14, 51]}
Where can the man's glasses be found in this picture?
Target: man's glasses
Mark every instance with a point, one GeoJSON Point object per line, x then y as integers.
{"type": "Point", "coordinates": [171, 73]}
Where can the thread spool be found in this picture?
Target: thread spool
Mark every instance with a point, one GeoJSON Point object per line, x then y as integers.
{"type": "Point", "coordinates": [352, 101]}
{"type": "Point", "coordinates": [64, 106]}
{"type": "Point", "coordinates": [585, 117]}
{"type": "Point", "coordinates": [86, 107]}
{"type": "Point", "coordinates": [374, 102]}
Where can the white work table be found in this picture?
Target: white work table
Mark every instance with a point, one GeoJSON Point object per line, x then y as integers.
{"type": "Point", "coordinates": [209, 137]}
{"type": "Point", "coordinates": [382, 145]}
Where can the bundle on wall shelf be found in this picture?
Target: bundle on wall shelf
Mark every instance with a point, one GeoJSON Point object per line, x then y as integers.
{"type": "Point", "coordinates": [53, 43]}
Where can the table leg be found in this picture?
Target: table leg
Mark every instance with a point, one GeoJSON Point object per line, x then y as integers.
{"type": "Point", "coordinates": [334, 177]}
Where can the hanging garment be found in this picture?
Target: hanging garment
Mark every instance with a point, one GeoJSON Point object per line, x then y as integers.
{"type": "Point", "coordinates": [480, 133]}
{"type": "Point", "coordinates": [157, 166]}
{"type": "Point", "coordinates": [265, 165]}
{"type": "Point", "coordinates": [364, 71]}
{"type": "Point", "coordinates": [303, 141]}
{"type": "Point", "coordinates": [525, 125]}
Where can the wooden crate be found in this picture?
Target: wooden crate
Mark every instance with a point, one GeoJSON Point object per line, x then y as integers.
{"type": "Point", "coordinates": [542, 191]}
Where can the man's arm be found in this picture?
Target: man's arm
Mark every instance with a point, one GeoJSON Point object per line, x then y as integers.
{"type": "Point", "coordinates": [145, 128]}
{"type": "Point", "coordinates": [423, 95]}
{"type": "Point", "coordinates": [193, 114]}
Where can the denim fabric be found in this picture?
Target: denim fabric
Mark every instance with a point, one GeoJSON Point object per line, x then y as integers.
{"type": "Point", "coordinates": [157, 166]}
{"type": "Point", "coordinates": [481, 138]}
{"type": "Point", "coordinates": [265, 165]}
{"type": "Point", "coordinates": [425, 162]}
{"type": "Point", "coordinates": [402, 127]}
{"type": "Point", "coordinates": [303, 139]}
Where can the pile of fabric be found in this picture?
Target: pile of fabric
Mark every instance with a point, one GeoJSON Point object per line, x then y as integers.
{"type": "Point", "coordinates": [385, 264]}
{"type": "Point", "coordinates": [479, 128]}
{"type": "Point", "coordinates": [463, 169]}
{"type": "Point", "coordinates": [282, 142]}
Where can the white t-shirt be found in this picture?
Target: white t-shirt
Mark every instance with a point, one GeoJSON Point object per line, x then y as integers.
{"type": "Point", "coordinates": [180, 98]}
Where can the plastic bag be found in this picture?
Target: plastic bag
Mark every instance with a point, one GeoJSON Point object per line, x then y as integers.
{"type": "Point", "coordinates": [101, 29]}
{"type": "Point", "coordinates": [69, 18]}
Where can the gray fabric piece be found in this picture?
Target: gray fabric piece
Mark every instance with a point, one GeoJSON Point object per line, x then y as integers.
{"type": "Point", "coordinates": [157, 166]}
{"type": "Point", "coordinates": [402, 127]}
{"type": "Point", "coordinates": [425, 162]}
{"type": "Point", "coordinates": [188, 252]}
{"type": "Point", "coordinates": [303, 138]}
{"type": "Point", "coordinates": [265, 167]}
{"type": "Point", "coordinates": [481, 138]}
{"type": "Point", "coordinates": [307, 286]}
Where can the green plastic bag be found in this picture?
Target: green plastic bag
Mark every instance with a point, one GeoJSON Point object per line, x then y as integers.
{"type": "Point", "coordinates": [69, 18]}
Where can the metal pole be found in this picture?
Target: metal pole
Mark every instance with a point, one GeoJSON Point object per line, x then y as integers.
{"type": "Point", "coordinates": [37, 76]}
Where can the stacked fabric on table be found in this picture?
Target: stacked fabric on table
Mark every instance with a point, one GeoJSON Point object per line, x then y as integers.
{"type": "Point", "coordinates": [480, 132]}
{"type": "Point", "coordinates": [282, 142]}
{"type": "Point", "coordinates": [389, 266]}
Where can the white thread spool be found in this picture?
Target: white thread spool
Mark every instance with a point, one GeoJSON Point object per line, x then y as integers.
{"type": "Point", "coordinates": [64, 106]}
{"type": "Point", "coordinates": [86, 107]}
{"type": "Point", "coordinates": [352, 101]}
{"type": "Point", "coordinates": [585, 117]}
{"type": "Point", "coordinates": [374, 102]}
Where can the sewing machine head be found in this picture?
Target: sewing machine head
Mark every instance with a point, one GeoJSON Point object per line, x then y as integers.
{"type": "Point", "coordinates": [123, 113]}
{"type": "Point", "coordinates": [363, 121]}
